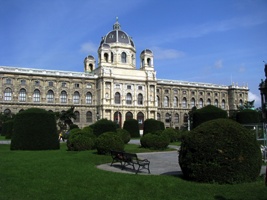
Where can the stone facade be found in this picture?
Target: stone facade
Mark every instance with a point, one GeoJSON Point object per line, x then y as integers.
{"type": "Point", "coordinates": [114, 88]}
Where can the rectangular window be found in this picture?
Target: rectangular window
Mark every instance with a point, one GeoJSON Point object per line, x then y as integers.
{"type": "Point", "coordinates": [63, 84]}
{"type": "Point", "coordinates": [129, 87]}
{"type": "Point", "coordinates": [76, 85]}
{"type": "Point", "coordinates": [50, 83]}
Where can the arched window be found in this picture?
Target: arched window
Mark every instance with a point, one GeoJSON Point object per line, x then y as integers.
{"type": "Point", "coordinates": [158, 101]}
{"type": "Point", "coordinates": [166, 101]}
{"type": "Point", "coordinates": [117, 98]}
{"type": "Point", "coordinates": [200, 103]}
{"type": "Point", "coordinates": [129, 98]}
{"type": "Point", "coordinates": [176, 118]}
{"type": "Point", "coordinates": [149, 62]}
{"type": "Point", "coordinates": [8, 94]}
{"type": "Point", "coordinates": [106, 57]}
{"type": "Point", "coordinates": [208, 102]}
{"type": "Point", "coordinates": [184, 103]}
{"type": "Point", "coordinates": [185, 118]}
{"type": "Point", "coordinates": [7, 112]}
{"type": "Point", "coordinates": [77, 115]}
{"type": "Point", "coordinates": [223, 104]}
{"type": "Point", "coordinates": [175, 102]}
{"type": "Point", "coordinates": [63, 97]}
{"type": "Point", "coordinates": [88, 98]}
{"type": "Point", "coordinates": [216, 103]}
{"type": "Point", "coordinates": [158, 117]}
{"type": "Point", "coordinates": [193, 102]}
{"type": "Point", "coordinates": [112, 57]}
{"type": "Point", "coordinates": [168, 117]}
{"type": "Point", "coordinates": [50, 96]}
{"type": "Point", "coordinates": [76, 98]}
{"type": "Point", "coordinates": [240, 102]}
{"type": "Point", "coordinates": [89, 117]}
{"type": "Point", "coordinates": [140, 99]}
{"type": "Point", "coordinates": [123, 57]}
{"type": "Point", "coordinates": [22, 95]}
{"type": "Point", "coordinates": [129, 115]}
{"type": "Point", "coordinates": [36, 96]}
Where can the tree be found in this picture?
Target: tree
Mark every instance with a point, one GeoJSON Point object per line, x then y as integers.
{"type": "Point", "coordinates": [247, 105]}
{"type": "Point", "coordinates": [65, 118]}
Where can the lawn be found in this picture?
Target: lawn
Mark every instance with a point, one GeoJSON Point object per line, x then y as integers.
{"type": "Point", "coordinates": [61, 174]}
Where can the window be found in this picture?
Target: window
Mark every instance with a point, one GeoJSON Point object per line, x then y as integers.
{"type": "Point", "coordinates": [63, 84]}
{"type": "Point", "coordinates": [149, 62]}
{"type": "Point", "coordinates": [117, 98]}
{"type": "Point", "coordinates": [112, 57]}
{"type": "Point", "coordinates": [185, 118]}
{"type": "Point", "coordinates": [23, 82]}
{"type": "Point", "coordinates": [106, 57]}
{"type": "Point", "coordinates": [76, 85]}
{"type": "Point", "coordinates": [8, 94]}
{"type": "Point", "coordinates": [166, 101]}
{"type": "Point", "coordinates": [129, 87]}
{"type": "Point", "coordinates": [175, 102]}
{"type": "Point", "coordinates": [208, 93]}
{"type": "Point", "coordinates": [176, 118]}
{"type": "Point", "coordinates": [216, 94]}
{"type": "Point", "coordinates": [193, 92]}
{"type": "Point", "coordinates": [184, 92]}
{"type": "Point", "coordinates": [223, 104]}
{"type": "Point", "coordinates": [50, 96]}
{"type": "Point", "coordinates": [118, 86]}
{"type": "Point", "coordinates": [36, 83]}
{"type": "Point", "coordinates": [208, 102]}
{"type": "Point", "coordinates": [8, 81]}
{"type": "Point", "coordinates": [77, 116]}
{"type": "Point", "coordinates": [166, 91]}
{"type": "Point", "coordinates": [76, 98]}
{"type": "Point", "coordinates": [140, 87]}
{"type": "Point", "coordinates": [129, 115]}
{"type": "Point", "coordinates": [89, 117]}
{"type": "Point", "coordinates": [216, 103]}
{"type": "Point", "coordinates": [50, 84]}
{"type": "Point", "coordinates": [158, 101]}
{"type": "Point", "coordinates": [123, 57]}
{"type": "Point", "coordinates": [168, 117]}
{"type": "Point", "coordinates": [240, 102]}
{"type": "Point", "coordinates": [158, 117]}
{"type": "Point", "coordinates": [88, 85]}
{"type": "Point", "coordinates": [129, 98]}
{"type": "Point", "coordinates": [140, 99]}
{"type": "Point", "coordinates": [63, 97]}
{"type": "Point", "coordinates": [175, 91]}
{"type": "Point", "coordinates": [36, 96]}
{"type": "Point", "coordinates": [200, 93]}
{"type": "Point", "coordinates": [22, 95]}
{"type": "Point", "coordinates": [88, 98]}
{"type": "Point", "coordinates": [192, 102]}
{"type": "Point", "coordinates": [200, 103]}
{"type": "Point", "coordinates": [184, 103]}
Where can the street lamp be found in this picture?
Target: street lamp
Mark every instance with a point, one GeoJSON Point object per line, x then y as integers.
{"type": "Point", "coordinates": [170, 120]}
{"type": "Point", "coordinates": [97, 116]}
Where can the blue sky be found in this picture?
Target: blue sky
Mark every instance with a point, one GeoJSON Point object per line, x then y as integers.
{"type": "Point", "coordinates": [212, 41]}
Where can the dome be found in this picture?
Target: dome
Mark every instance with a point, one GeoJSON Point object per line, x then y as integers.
{"type": "Point", "coordinates": [117, 36]}
{"type": "Point", "coordinates": [147, 51]}
{"type": "Point", "coordinates": [90, 57]}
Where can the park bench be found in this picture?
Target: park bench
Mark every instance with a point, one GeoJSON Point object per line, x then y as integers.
{"type": "Point", "coordinates": [132, 159]}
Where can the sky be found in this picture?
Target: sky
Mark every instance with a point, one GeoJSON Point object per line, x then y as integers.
{"type": "Point", "coordinates": [210, 41]}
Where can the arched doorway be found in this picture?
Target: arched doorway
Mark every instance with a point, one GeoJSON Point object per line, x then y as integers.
{"type": "Point", "coordinates": [140, 119]}
{"type": "Point", "coordinates": [117, 118]}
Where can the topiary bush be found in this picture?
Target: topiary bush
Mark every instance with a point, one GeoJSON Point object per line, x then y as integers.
{"type": "Point", "coordinates": [9, 128]}
{"type": "Point", "coordinates": [131, 125]}
{"type": "Point", "coordinates": [102, 126]}
{"type": "Point", "coordinates": [81, 140]}
{"type": "Point", "coordinates": [109, 141]}
{"type": "Point", "coordinates": [152, 125]}
{"type": "Point", "coordinates": [171, 133]}
{"type": "Point", "coordinates": [124, 135]}
{"type": "Point", "coordinates": [221, 151]}
{"type": "Point", "coordinates": [35, 129]}
{"type": "Point", "coordinates": [247, 116]}
{"type": "Point", "coordinates": [155, 141]}
{"type": "Point", "coordinates": [207, 113]}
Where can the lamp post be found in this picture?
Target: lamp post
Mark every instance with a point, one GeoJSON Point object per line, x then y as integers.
{"type": "Point", "coordinates": [170, 119]}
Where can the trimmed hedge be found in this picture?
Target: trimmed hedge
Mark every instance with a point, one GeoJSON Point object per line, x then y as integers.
{"type": "Point", "coordinates": [155, 141]}
{"type": "Point", "coordinates": [124, 135]}
{"type": "Point", "coordinates": [207, 113]}
{"type": "Point", "coordinates": [247, 116]}
{"type": "Point", "coordinates": [102, 126]}
{"type": "Point", "coordinates": [172, 134]}
{"type": "Point", "coordinates": [81, 140]}
{"type": "Point", "coordinates": [152, 125]}
{"type": "Point", "coordinates": [35, 129]}
{"type": "Point", "coordinates": [221, 151]}
{"type": "Point", "coordinates": [9, 128]}
{"type": "Point", "coordinates": [132, 127]}
{"type": "Point", "coordinates": [109, 141]}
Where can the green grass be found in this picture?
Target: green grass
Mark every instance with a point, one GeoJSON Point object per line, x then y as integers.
{"type": "Point", "coordinates": [61, 174]}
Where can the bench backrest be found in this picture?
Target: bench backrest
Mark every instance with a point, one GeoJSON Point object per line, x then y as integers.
{"type": "Point", "coordinates": [129, 156]}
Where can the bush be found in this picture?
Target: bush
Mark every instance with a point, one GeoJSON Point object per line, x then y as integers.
{"type": "Point", "coordinates": [132, 127]}
{"type": "Point", "coordinates": [109, 141]}
{"type": "Point", "coordinates": [155, 141]}
{"type": "Point", "coordinates": [73, 126]}
{"type": "Point", "coordinates": [124, 135]}
{"type": "Point", "coordinates": [247, 116]}
{"type": "Point", "coordinates": [171, 133]}
{"type": "Point", "coordinates": [81, 140]}
{"type": "Point", "coordinates": [207, 113]}
{"type": "Point", "coordinates": [102, 126]}
{"type": "Point", "coordinates": [152, 125]}
{"type": "Point", "coordinates": [221, 151]}
{"type": "Point", "coordinates": [9, 128]}
{"type": "Point", "coordinates": [35, 129]}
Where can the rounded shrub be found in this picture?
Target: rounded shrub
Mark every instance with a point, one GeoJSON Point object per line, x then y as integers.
{"type": "Point", "coordinates": [152, 125]}
{"type": "Point", "coordinates": [247, 116]}
{"type": "Point", "coordinates": [171, 133]}
{"type": "Point", "coordinates": [131, 125]}
{"type": "Point", "coordinates": [34, 129]}
{"type": "Point", "coordinates": [124, 135]}
{"type": "Point", "coordinates": [109, 141]}
{"type": "Point", "coordinates": [81, 140]}
{"type": "Point", "coordinates": [155, 141]}
{"type": "Point", "coordinates": [102, 126]}
{"type": "Point", "coordinates": [7, 129]}
{"type": "Point", "coordinates": [221, 151]}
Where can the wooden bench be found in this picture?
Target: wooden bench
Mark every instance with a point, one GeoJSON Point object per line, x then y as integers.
{"type": "Point", "coordinates": [126, 159]}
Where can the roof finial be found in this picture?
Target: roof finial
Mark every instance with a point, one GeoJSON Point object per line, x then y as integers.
{"type": "Point", "coordinates": [116, 26]}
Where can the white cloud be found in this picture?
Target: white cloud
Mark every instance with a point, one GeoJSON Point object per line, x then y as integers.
{"type": "Point", "coordinates": [89, 47]}
{"type": "Point", "coordinates": [160, 53]}
{"type": "Point", "coordinates": [255, 97]}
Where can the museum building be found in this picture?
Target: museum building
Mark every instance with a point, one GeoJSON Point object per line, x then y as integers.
{"type": "Point", "coordinates": [114, 88]}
